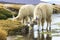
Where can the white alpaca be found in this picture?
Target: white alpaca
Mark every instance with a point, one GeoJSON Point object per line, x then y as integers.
{"type": "Point", "coordinates": [42, 12]}
{"type": "Point", "coordinates": [25, 11]}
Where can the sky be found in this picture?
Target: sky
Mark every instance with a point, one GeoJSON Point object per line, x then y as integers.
{"type": "Point", "coordinates": [52, 1]}
{"type": "Point", "coordinates": [31, 1]}
{"type": "Point", "coordinates": [22, 1]}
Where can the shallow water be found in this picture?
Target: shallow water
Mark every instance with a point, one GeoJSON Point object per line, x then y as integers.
{"type": "Point", "coordinates": [53, 36]}
{"type": "Point", "coordinates": [56, 19]}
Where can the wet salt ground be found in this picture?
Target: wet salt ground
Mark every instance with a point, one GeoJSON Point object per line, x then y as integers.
{"type": "Point", "coordinates": [55, 19]}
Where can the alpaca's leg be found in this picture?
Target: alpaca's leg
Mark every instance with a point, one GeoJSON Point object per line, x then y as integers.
{"type": "Point", "coordinates": [47, 20]}
{"type": "Point", "coordinates": [23, 20]}
{"type": "Point", "coordinates": [42, 23]}
{"type": "Point", "coordinates": [26, 19]}
{"type": "Point", "coordinates": [50, 24]}
{"type": "Point", "coordinates": [50, 27]}
{"type": "Point", "coordinates": [47, 25]}
{"type": "Point", "coordinates": [39, 22]}
{"type": "Point", "coordinates": [30, 19]}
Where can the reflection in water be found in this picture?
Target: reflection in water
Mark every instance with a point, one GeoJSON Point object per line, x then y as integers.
{"type": "Point", "coordinates": [42, 37]}
{"type": "Point", "coordinates": [48, 35]}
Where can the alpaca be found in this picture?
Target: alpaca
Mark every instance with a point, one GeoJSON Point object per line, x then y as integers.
{"type": "Point", "coordinates": [42, 13]}
{"type": "Point", "coordinates": [25, 12]}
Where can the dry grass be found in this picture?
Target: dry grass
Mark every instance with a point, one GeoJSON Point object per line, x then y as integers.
{"type": "Point", "coordinates": [3, 34]}
{"type": "Point", "coordinates": [10, 24]}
